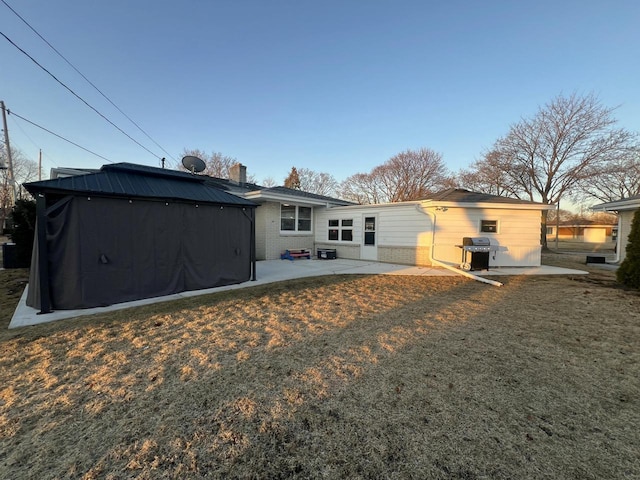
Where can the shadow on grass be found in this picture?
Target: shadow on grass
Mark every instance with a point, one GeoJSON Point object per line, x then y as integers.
{"type": "Point", "coordinates": [324, 377]}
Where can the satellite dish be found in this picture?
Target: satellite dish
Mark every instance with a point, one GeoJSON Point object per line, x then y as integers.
{"type": "Point", "coordinates": [193, 164]}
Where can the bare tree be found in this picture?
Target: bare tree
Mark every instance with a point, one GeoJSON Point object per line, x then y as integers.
{"type": "Point", "coordinates": [217, 164]}
{"type": "Point", "coordinates": [409, 175]}
{"type": "Point", "coordinates": [490, 175]}
{"type": "Point", "coordinates": [24, 170]}
{"type": "Point", "coordinates": [619, 179]}
{"type": "Point", "coordinates": [360, 188]}
{"type": "Point", "coordinates": [319, 183]}
{"type": "Point", "coordinates": [566, 142]}
{"type": "Point", "coordinates": [268, 182]}
{"type": "Point", "coordinates": [581, 217]}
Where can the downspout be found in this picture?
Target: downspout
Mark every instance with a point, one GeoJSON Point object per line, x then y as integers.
{"type": "Point", "coordinates": [618, 245]}
{"type": "Point", "coordinates": [440, 263]}
{"type": "Point", "coordinates": [252, 241]}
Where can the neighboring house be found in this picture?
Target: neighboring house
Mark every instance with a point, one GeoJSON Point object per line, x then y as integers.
{"type": "Point", "coordinates": [425, 232]}
{"type": "Point", "coordinates": [129, 232]}
{"type": "Point", "coordinates": [625, 208]}
{"type": "Point", "coordinates": [585, 231]}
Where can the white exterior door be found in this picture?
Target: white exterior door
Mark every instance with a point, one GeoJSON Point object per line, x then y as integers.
{"type": "Point", "coordinates": [369, 245]}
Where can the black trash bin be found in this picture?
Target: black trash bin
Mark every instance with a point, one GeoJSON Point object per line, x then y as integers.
{"type": "Point", "coordinates": [327, 253]}
{"type": "Point", "coordinates": [9, 255]}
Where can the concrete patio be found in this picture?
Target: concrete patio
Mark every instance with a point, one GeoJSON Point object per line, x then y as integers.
{"type": "Point", "coordinates": [270, 271]}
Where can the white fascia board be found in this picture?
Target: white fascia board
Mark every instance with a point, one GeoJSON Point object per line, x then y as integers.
{"type": "Point", "coordinates": [271, 197]}
{"type": "Point", "coordinates": [431, 204]}
{"type": "Point", "coordinates": [620, 205]}
{"type": "Point", "coordinates": [495, 206]}
{"type": "Point", "coordinates": [374, 206]}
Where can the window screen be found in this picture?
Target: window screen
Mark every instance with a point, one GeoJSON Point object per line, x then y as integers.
{"type": "Point", "coordinates": [489, 226]}
{"type": "Point", "coordinates": [287, 217]}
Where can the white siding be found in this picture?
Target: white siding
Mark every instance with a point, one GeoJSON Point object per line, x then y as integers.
{"type": "Point", "coordinates": [404, 227]}
{"type": "Point", "coordinates": [518, 234]}
{"type": "Point", "coordinates": [404, 233]}
{"type": "Point", "coordinates": [399, 225]}
{"type": "Point", "coordinates": [624, 221]}
{"type": "Point", "coordinates": [337, 213]}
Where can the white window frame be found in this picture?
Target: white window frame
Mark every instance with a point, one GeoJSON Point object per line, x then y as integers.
{"type": "Point", "coordinates": [296, 220]}
{"type": "Point", "coordinates": [340, 228]}
{"type": "Point", "coordinates": [497, 222]}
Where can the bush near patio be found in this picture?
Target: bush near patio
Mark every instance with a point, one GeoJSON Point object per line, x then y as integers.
{"type": "Point", "coordinates": [629, 271]}
{"type": "Point", "coordinates": [22, 230]}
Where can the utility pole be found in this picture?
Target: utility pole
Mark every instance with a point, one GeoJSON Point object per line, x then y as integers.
{"type": "Point", "coordinates": [557, 223]}
{"type": "Point", "coordinates": [40, 165]}
{"type": "Point", "coordinates": [10, 177]}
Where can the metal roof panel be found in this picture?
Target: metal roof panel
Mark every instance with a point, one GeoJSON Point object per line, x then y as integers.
{"type": "Point", "coordinates": [128, 180]}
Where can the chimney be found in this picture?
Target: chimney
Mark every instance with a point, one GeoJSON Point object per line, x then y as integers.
{"type": "Point", "coordinates": [238, 174]}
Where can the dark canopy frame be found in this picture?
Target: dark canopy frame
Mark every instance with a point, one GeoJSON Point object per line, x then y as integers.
{"type": "Point", "coordinates": [99, 250]}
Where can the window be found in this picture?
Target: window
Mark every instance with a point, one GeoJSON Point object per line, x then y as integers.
{"type": "Point", "coordinates": [304, 219]}
{"type": "Point", "coordinates": [489, 226]}
{"type": "Point", "coordinates": [341, 230]}
{"type": "Point", "coordinates": [287, 217]}
{"type": "Point", "coordinates": [369, 230]}
{"type": "Point", "coordinates": [295, 219]}
{"type": "Point", "coordinates": [334, 232]}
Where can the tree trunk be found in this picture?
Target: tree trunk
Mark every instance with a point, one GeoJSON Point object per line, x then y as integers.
{"type": "Point", "coordinates": [543, 230]}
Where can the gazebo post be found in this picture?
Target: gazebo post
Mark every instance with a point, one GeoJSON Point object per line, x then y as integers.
{"type": "Point", "coordinates": [253, 244]}
{"type": "Point", "coordinates": [43, 253]}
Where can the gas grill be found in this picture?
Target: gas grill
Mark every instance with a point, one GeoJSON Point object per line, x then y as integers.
{"type": "Point", "coordinates": [478, 249]}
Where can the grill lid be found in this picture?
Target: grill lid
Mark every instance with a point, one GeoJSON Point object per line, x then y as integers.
{"type": "Point", "coordinates": [476, 241]}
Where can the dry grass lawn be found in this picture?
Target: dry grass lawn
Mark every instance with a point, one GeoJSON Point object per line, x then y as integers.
{"type": "Point", "coordinates": [362, 377]}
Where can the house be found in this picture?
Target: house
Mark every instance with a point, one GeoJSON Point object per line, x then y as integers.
{"type": "Point", "coordinates": [285, 217]}
{"type": "Point", "coordinates": [625, 208]}
{"type": "Point", "coordinates": [129, 232]}
{"type": "Point", "coordinates": [422, 232]}
{"type": "Point", "coordinates": [412, 233]}
{"type": "Point", "coordinates": [585, 231]}
{"type": "Point", "coordinates": [431, 231]}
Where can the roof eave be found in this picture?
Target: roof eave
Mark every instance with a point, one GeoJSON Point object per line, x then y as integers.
{"type": "Point", "coordinates": [261, 195]}
{"type": "Point", "coordinates": [493, 205]}
{"type": "Point", "coordinates": [619, 206]}
{"type": "Point", "coordinates": [34, 190]}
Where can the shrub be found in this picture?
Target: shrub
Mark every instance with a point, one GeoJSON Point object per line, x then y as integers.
{"type": "Point", "coordinates": [23, 226]}
{"type": "Point", "coordinates": [629, 271]}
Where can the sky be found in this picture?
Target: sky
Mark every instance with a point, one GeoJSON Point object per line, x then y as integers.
{"type": "Point", "coordinates": [336, 87]}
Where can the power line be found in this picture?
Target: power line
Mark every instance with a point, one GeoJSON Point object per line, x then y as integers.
{"type": "Point", "coordinates": [78, 96]}
{"type": "Point", "coordinates": [17, 124]}
{"type": "Point", "coordinates": [58, 135]}
{"type": "Point", "coordinates": [88, 81]}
